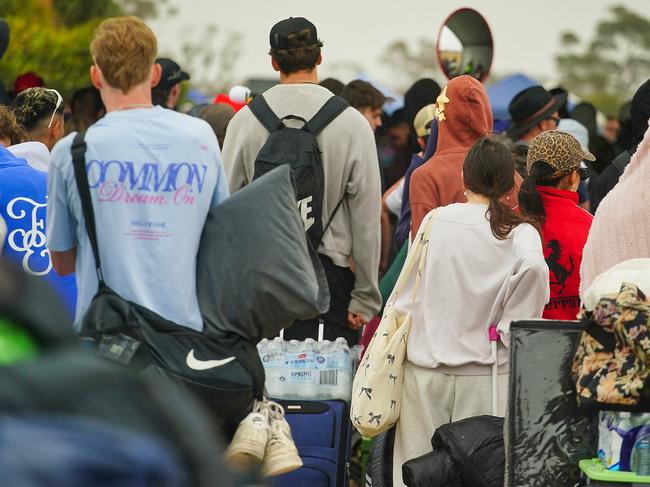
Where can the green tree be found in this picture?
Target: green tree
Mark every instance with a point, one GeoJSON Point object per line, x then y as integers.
{"type": "Point", "coordinates": [51, 37]}
{"type": "Point", "coordinates": [608, 69]}
{"type": "Point", "coordinates": [73, 12]}
{"type": "Point", "coordinates": [41, 42]}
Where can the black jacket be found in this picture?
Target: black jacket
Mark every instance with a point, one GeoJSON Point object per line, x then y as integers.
{"type": "Point", "coordinates": [605, 181]}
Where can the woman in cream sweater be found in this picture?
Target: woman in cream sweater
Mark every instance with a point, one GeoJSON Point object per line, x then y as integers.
{"type": "Point", "coordinates": [484, 266]}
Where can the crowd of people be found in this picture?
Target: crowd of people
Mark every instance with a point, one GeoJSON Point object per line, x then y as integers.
{"type": "Point", "coordinates": [520, 223]}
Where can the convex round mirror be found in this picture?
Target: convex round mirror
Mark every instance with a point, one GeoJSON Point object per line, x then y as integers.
{"type": "Point", "coordinates": [465, 45]}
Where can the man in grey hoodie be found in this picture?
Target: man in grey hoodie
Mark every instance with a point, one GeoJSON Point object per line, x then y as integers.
{"type": "Point", "coordinates": [351, 244]}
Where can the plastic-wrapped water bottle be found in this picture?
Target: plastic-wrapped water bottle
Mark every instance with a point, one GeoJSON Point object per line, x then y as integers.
{"type": "Point", "coordinates": [263, 346]}
{"type": "Point", "coordinates": [263, 350]}
{"type": "Point", "coordinates": [309, 370]}
{"type": "Point", "coordinates": [355, 357]}
{"type": "Point", "coordinates": [301, 361]}
{"type": "Point", "coordinates": [641, 452]}
{"type": "Point", "coordinates": [291, 387]}
{"type": "Point", "coordinates": [335, 372]}
{"type": "Point", "coordinates": [324, 388]}
{"type": "Point", "coordinates": [343, 386]}
{"type": "Point", "coordinates": [272, 355]}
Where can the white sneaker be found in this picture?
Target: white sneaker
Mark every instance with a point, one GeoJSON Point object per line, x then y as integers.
{"type": "Point", "coordinates": [281, 452]}
{"type": "Point", "coordinates": [248, 446]}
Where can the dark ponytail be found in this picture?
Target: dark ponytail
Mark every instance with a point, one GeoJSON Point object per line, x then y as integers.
{"type": "Point", "coordinates": [530, 200]}
{"type": "Point", "coordinates": [489, 170]}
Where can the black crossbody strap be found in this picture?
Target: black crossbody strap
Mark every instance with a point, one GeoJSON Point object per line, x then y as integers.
{"type": "Point", "coordinates": [328, 112]}
{"type": "Point", "coordinates": [81, 177]}
{"type": "Point", "coordinates": [329, 222]}
{"type": "Point", "coordinates": [264, 114]}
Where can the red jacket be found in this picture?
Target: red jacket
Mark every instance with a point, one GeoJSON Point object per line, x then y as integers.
{"type": "Point", "coordinates": [564, 234]}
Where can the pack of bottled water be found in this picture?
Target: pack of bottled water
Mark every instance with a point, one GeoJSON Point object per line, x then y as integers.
{"type": "Point", "coordinates": [624, 441]}
{"type": "Point", "coordinates": [309, 369]}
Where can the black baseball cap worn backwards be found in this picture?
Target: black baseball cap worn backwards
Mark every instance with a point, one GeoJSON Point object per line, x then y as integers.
{"type": "Point", "coordinates": [171, 74]}
{"type": "Point", "coordinates": [280, 32]}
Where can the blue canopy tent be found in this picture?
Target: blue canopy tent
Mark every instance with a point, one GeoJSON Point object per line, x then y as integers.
{"type": "Point", "coordinates": [500, 95]}
{"type": "Point", "coordinates": [503, 91]}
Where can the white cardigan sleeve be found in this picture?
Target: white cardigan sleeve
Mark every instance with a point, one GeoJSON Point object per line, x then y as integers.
{"type": "Point", "coordinates": [527, 293]}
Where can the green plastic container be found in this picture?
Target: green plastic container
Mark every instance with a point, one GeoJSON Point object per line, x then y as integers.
{"type": "Point", "coordinates": [598, 475]}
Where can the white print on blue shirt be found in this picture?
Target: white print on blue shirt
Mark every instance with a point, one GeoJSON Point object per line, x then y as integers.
{"type": "Point", "coordinates": [29, 236]}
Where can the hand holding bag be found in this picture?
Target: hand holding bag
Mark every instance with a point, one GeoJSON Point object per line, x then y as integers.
{"type": "Point", "coordinates": [377, 387]}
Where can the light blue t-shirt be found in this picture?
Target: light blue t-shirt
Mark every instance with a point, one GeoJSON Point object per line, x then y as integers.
{"type": "Point", "coordinates": [153, 174]}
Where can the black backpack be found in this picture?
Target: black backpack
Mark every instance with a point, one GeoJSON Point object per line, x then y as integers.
{"type": "Point", "coordinates": [298, 147]}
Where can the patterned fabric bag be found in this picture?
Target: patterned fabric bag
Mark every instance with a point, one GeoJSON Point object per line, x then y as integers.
{"type": "Point", "coordinates": [612, 363]}
{"type": "Point", "coordinates": [377, 387]}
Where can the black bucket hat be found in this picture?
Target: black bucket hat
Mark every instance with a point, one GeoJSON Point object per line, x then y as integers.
{"type": "Point", "coordinates": [531, 106]}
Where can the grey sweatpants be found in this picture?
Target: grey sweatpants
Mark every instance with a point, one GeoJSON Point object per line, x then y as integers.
{"type": "Point", "coordinates": [431, 399]}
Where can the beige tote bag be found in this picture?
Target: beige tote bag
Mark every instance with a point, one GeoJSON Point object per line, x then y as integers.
{"type": "Point", "coordinates": [377, 387]}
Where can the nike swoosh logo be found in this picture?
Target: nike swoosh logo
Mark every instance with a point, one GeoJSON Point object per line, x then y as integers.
{"type": "Point", "coordinates": [196, 364]}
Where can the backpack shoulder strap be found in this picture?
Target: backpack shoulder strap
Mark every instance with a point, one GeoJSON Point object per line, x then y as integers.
{"type": "Point", "coordinates": [81, 177]}
{"type": "Point", "coordinates": [328, 112]}
{"type": "Point", "coordinates": [264, 114]}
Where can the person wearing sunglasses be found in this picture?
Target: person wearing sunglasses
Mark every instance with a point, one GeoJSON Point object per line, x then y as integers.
{"type": "Point", "coordinates": [549, 194]}
{"type": "Point", "coordinates": [40, 112]}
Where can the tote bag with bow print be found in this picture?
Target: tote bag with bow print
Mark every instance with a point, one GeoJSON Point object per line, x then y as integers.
{"type": "Point", "coordinates": [377, 387]}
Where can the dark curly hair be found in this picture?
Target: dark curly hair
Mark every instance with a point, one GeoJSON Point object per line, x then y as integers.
{"type": "Point", "coordinates": [9, 128]}
{"type": "Point", "coordinates": [35, 105]}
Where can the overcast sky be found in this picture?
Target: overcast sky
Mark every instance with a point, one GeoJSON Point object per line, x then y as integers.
{"type": "Point", "coordinates": [526, 33]}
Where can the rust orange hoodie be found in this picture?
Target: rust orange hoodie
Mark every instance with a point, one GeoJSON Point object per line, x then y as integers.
{"type": "Point", "coordinates": [464, 115]}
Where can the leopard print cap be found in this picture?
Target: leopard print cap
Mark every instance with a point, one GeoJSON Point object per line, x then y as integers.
{"type": "Point", "coordinates": [558, 149]}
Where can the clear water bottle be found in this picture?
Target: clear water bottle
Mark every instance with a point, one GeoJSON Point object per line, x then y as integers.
{"type": "Point", "coordinates": [305, 367]}
{"type": "Point", "coordinates": [262, 347]}
{"type": "Point", "coordinates": [322, 363]}
{"type": "Point", "coordinates": [273, 361]}
{"type": "Point", "coordinates": [310, 344]}
{"type": "Point", "coordinates": [263, 352]}
{"type": "Point", "coordinates": [343, 387]}
{"type": "Point", "coordinates": [291, 384]}
{"type": "Point", "coordinates": [641, 452]}
{"type": "Point", "coordinates": [355, 358]}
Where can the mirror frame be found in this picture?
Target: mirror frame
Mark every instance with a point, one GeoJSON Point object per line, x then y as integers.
{"type": "Point", "coordinates": [464, 9]}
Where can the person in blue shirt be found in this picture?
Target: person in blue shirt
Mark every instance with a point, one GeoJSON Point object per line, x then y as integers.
{"type": "Point", "coordinates": [153, 175]}
{"type": "Point", "coordinates": [23, 198]}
